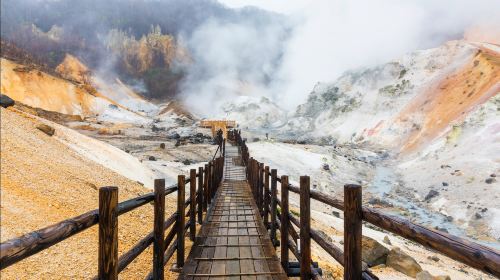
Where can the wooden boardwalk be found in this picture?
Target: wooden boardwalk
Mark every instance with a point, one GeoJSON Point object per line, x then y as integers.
{"type": "Point", "coordinates": [233, 242]}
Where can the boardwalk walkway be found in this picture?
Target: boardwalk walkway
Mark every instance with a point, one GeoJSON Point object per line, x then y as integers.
{"type": "Point", "coordinates": [233, 242]}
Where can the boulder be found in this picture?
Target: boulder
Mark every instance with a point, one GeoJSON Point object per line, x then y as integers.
{"type": "Point", "coordinates": [403, 263]}
{"type": "Point", "coordinates": [381, 202]}
{"type": "Point", "coordinates": [434, 258]}
{"type": "Point", "coordinates": [425, 275]}
{"type": "Point", "coordinates": [152, 158]}
{"type": "Point", "coordinates": [431, 194]}
{"type": "Point", "coordinates": [162, 146]}
{"type": "Point", "coordinates": [175, 135]}
{"type": "Point", "coordinates": [326, 167]}
{"type": "Point", "coordinates": [387, 240]}
{"type": "Point", "coordinates": [372, 252]}
{"type": "Point", "coordinates": [186, 162]}
{"type": "Point", "coordinates": [490, 180]}
{"type": "Point", "coordinates": [47, 129]}
{"type": "Point", "coordinates": [6, 101]}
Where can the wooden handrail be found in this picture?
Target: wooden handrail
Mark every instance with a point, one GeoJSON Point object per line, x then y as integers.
{"type": "Point", "coordinates": [16, 249]}
{"type": "Point", "coordinates": [470, 253]}
{"type": "Point", "coordinates": [475, 255]}
{"type": "Point", "coordinates": [135, 251]}
{"type": "Point", "coordinates": [19, 248]}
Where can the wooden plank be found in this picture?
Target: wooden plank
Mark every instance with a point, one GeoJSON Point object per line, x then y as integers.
{"type": "Point", "coordinates": [274, 194]}
{"type": "Point", "coordinates": [267, 198]}
{"type": "Point", "coordinates": [207, 252]}
{"type": "Point", "coordinates": [205, 188]}
{"type": "Point", "coordinates": [180, 220]}
{"type": "Point", "coordinates": [219, 266]}
{"type": "Point", "coordinates": [192, 195]}
{"type": "Point", "coordinates": [159, 230]}
{"type": "Point", "coordinates": [108, 233]}
{"type": "Point", "coordinates": [305, 228]}
{"type": "Point", "coordinates": [284, 222]}
{"type": "Point", "coordinates": [200, 195]}
{"type": "Point", "coordinates": [352, 232]}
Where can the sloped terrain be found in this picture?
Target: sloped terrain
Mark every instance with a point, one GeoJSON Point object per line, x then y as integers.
{"type": "Point", "coordinates": [43, 181]}
{"type": "Point", "coordinates": [38, 89]}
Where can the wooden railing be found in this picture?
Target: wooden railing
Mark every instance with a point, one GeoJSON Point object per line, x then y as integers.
{"type": "Point", "coordinates": [202, 188]}
{"type": "Point", "coordinates": [263, 182]}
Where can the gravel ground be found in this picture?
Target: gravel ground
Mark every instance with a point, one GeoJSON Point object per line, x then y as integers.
{"type": "Point", "coordinates": [44, 182]}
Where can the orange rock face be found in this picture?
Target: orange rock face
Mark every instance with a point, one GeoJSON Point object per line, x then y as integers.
{"type": "Point", "coordinates": [450, 99]}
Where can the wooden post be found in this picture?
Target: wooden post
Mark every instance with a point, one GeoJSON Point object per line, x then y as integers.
{"type": "Point", "coordinates": [159, 231]}
{"type": "Point", "coordinates": [250, 172]}
{"type": "Point", "coordinates": [256, 181]}
{"type": "Point", "coordinates": [284, 222]}
{"type": "Point", "coordinates": [200, 195]}
{"type": "Point", "coordinates": [181, 192]}
{"type": "Point", "coordinates": [261, 188]}
{"type": "Point", "coordinates": [267, 199]}
{"type": "Point", "coordinates": [305, 228]}
{"type": "Point", "coordinates": [352, 232]}
{"type": "Point", "coordinates": [213, 188]}
{"type": "Point", "coordinates": [205, 189]}
{"type": "Point", "coordinates": [214, 181]}
{"type": "Point", "coordinates": [192, 195]}
{"type": "Point", "coordinates": [274, 202]}
{"type": "Point", "coordinates": [108, 233]}
{"type": "Point", "coordinates": [224, 147]}
{"type": "Point", "coordinates": [209, 186]}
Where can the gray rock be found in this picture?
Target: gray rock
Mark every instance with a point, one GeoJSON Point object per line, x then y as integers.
{"type": "Point", "coordinates": [325, 236]}
{"type": "Point", "coordinates": [490, 180]}
{"type": "Point", "coordinates": [445, 184]}
{"type": "Point", "coordinates": [162, 146]}
{"type": "Point", "coordinates": [433, 258]}
{"type": "Point", "coordinates": [186, 162]}
{"type": "Point", "coordinates": [372, 252]}
{"type": "Point", "coordinates": [336, 214]}
{"type": "Point", "coordinates": [326, 167]}
{"type": "Point", "coordinates": [175, 135]}
{"type": "Point", "coordinates": [403, 263]}
{"type": "Point", "coordinates": [431, 194]}
{"type": "Point", "coordinates": [378, 201]}
{"type": "Point", "coordinates": [387, 240]}
{"type": "Point", "coordinates": [6, 101]}
{"type": "Point", "coordinates": [152, 158]}
{"type": "Point", "coordinates": [424, 275]}
{"type": "Point", "coordinates": [47, 129]}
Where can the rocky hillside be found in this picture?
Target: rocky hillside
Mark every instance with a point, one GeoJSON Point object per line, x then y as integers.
{"type": "Point", "coordinates": [74, 91]}
{"type": "Point", "coordinates": [404, 104]}
{"type": "Point", "coordinates": [432, 120]}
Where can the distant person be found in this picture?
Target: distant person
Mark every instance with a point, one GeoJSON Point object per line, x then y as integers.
{"type": "Point", "coordinates": [267, 136]}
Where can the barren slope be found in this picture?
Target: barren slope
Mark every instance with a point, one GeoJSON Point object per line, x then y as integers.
{"type": "Point", "coordinates": [43, 181]}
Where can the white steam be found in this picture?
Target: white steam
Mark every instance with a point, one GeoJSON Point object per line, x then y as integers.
{"type": "Point", "coordinates": [327, 38]}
